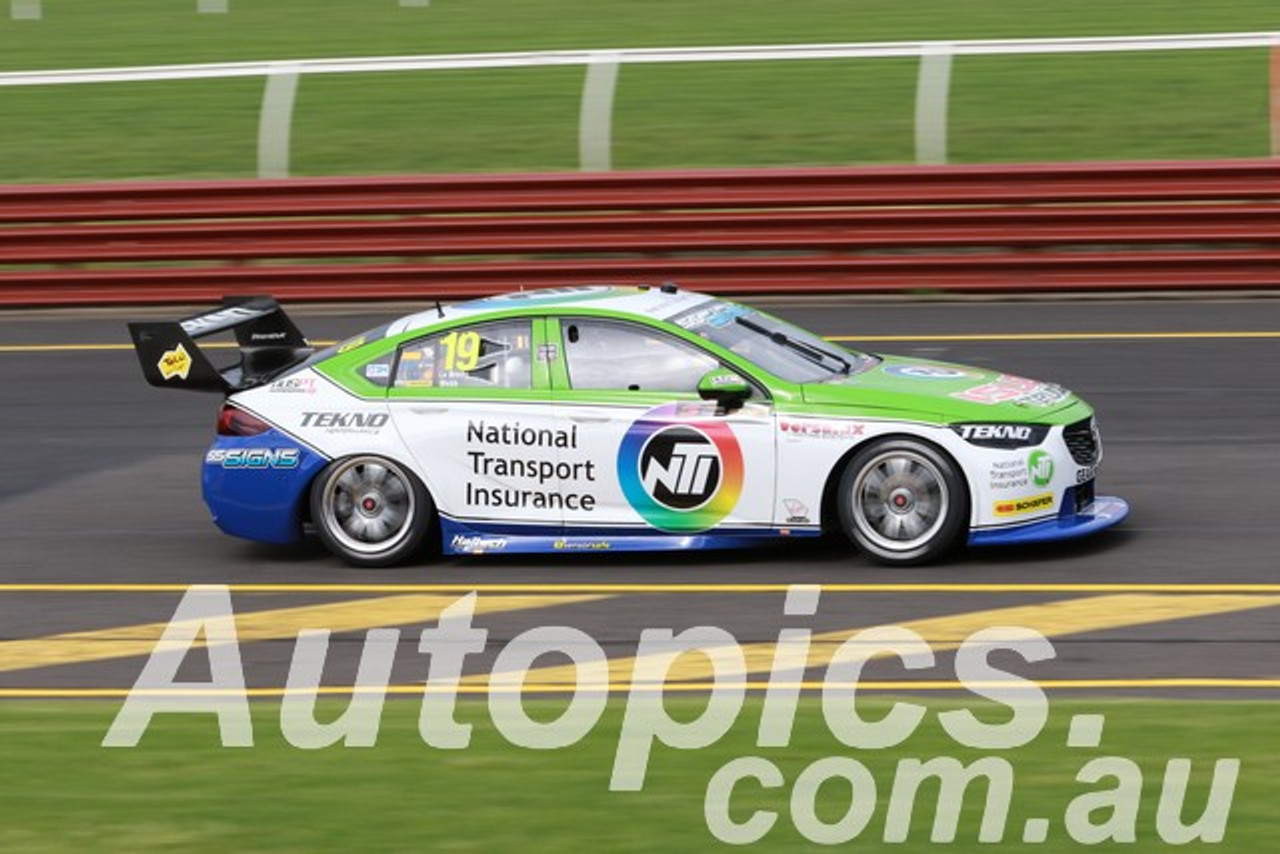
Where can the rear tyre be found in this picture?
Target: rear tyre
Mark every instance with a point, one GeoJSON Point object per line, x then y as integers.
{"type": "Point", "coordinates": [903, 502]}
{"type": "Point", "coordinates": [370, 511]}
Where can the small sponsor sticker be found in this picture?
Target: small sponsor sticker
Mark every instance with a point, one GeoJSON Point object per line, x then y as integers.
{"type": "Point", "coordinates": [175, 363]}
{"type": "Point", "coordinates": [1007, 388]}
{"type": "Point", "coordinates": [927, 372]}
{"type": "Point", "coordinates": [293, 385]}
{"type": "Point", "coordinates": [582, 545]}
{"type": "Point", "coordinates": [1023, 506]}
{"type": "Point", "coordinates": [797, 511]}
{"type": "Point", "coordinates": [477, 544]}
{"type": "Point", "coordinates": [812, 428]}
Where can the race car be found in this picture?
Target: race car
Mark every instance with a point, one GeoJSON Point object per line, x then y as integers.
{"type": "Point", "coordinates": [620, 418]}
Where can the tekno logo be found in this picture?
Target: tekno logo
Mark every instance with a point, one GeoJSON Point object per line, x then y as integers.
{"type": "Point", "coordinates": [680, 476]}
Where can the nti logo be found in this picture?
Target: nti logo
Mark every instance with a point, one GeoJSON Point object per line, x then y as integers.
{"type": "Point", "coordinates": [680, 468]}
{"type": "Point", "coordinates": [681, 476]}
{"type": "Point", "coordinates": [1040, 464]}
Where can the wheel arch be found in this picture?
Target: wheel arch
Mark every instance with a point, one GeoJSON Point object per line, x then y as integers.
{"type": "Point", "coordinates": [431, 539]}
{"type": "Point", "coordinates": [829, 509]}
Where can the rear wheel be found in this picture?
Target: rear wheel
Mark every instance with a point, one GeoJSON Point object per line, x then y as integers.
{"type": "Point", "coordinates": [370, 511]}
{"type": "Point", "coordinates": [903, 502]}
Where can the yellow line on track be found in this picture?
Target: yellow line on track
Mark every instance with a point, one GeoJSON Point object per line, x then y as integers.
{"type": "Point", "coordinates": [1051, 619]}
{"type": "Point", "coordinates": [280, 623]}
{"type": "Point", "coordinates": [611, 589]}
{"type": "Point", "coordinates": [1167, 683]}
{"type": "Point", "coordinates": [939, 338]}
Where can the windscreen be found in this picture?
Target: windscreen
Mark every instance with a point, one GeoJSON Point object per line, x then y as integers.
{"type": "Point", "coordinates": [784, 350]}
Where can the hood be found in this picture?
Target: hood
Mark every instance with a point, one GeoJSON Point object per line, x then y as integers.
{"type": "Point", "coordinates": [941, 391]}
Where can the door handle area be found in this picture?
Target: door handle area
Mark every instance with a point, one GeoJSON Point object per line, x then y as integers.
{"type": "Point", "coordinates": [428, 410]}
{"type": "Point", "coordinates": [590, 419]}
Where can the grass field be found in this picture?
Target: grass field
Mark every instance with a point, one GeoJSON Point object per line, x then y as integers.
{"type": "Point", "coordinates": [1194, 104]}
{"type": "Point", "coordinates": [179, 791]}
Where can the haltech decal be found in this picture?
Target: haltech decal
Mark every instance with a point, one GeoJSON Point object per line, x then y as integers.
{"type": "Point", "coordinates": [175, 363]}
{"type": "Point", "coordinates": [1022, 506]}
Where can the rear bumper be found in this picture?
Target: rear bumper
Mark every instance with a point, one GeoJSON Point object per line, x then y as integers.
{"type": "Point", "coordinates": [256, 486]}
{"type": "Point", "coordinates": [1104, 512]}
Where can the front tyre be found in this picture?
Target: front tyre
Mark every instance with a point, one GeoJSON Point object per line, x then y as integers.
{"type": "Point", "coordinates": [903, 502]}
{"type": "Point", "coordinates": [370, 511]}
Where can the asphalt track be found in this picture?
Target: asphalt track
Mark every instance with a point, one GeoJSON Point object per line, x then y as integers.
{"type": "Point", "coordinates": [102, 526]}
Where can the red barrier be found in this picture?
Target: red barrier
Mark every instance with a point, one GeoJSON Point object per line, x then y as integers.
{"type": "Point", "coordinates": [958, 228]}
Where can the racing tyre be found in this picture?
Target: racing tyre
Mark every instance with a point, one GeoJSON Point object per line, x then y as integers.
{"type": "Point", "coordinates": [903, 502]}
{"type": "Point", "coordinates": [370, 511]}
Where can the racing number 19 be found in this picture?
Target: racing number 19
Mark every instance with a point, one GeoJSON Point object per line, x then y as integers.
{"type": "Point", "coordinates": [461, 352]}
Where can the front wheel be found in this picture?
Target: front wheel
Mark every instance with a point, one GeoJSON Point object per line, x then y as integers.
{"type": "Point", "coordinates": [370, 511]}
{"type": "Point", "coordinates": [903, 502]}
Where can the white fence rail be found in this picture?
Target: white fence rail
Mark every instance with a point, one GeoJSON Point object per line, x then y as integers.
{"type": "Point", "coordinates": [595, 120]}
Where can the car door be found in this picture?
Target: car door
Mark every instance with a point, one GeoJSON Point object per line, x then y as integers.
{"type": "Point", "coordinates": [658, 459]}
{"type": "Point", "coordinates": [472, 403]}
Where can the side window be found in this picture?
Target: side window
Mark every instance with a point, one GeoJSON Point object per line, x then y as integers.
{"type": "Point", "coordinates": [486, 355]}
{"type": "Point", "coordinates": [617, 356]}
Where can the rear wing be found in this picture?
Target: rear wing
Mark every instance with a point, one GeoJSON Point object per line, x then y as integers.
{"type": "Point", "coordinates": [267, 340]}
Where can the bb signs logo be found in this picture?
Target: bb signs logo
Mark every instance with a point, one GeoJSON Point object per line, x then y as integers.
{"type": "Point", "coordinates": [681, 476]}
{"type": "Point", "coordinates": [1040, 465]}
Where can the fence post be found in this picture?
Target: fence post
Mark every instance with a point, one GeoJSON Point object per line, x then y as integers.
{"type": "Point", "coordinates": [595, 123]}
{"type": "Point", "coordinates": [932, 92]}
{"type": "Point", "coordinates": [275, 121]}
{"type": "Point", "coordinates": [25, 10]}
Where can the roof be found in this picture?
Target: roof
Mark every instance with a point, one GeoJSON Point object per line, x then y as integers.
{"type": "Point", "coordinates": [640, 301]}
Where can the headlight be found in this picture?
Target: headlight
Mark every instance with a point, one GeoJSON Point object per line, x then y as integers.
{"type": "Point", "coordinates": [1002, 435]}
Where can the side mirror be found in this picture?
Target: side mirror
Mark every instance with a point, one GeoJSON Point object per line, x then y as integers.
{"type": "Point", "coordinates": [725, 387]}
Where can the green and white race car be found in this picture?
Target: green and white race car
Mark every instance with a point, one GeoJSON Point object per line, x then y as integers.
{"type": "Point", "coordinates": [620, 418]}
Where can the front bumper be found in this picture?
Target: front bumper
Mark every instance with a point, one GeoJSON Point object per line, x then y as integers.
{"type": "Point", "coordinates": [1103, 512]}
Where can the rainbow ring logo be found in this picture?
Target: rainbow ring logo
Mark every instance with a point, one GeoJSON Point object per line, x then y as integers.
{"type": "Point", "coordinates": [682, 476]}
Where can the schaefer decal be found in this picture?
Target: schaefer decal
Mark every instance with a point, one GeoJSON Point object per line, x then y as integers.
{"type": "Point", "coordinates": [680, 476]}
{"type": "Point", "coordinates": [175, 363]}
{"type": "Point", "coordinates": [1022, 506]}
